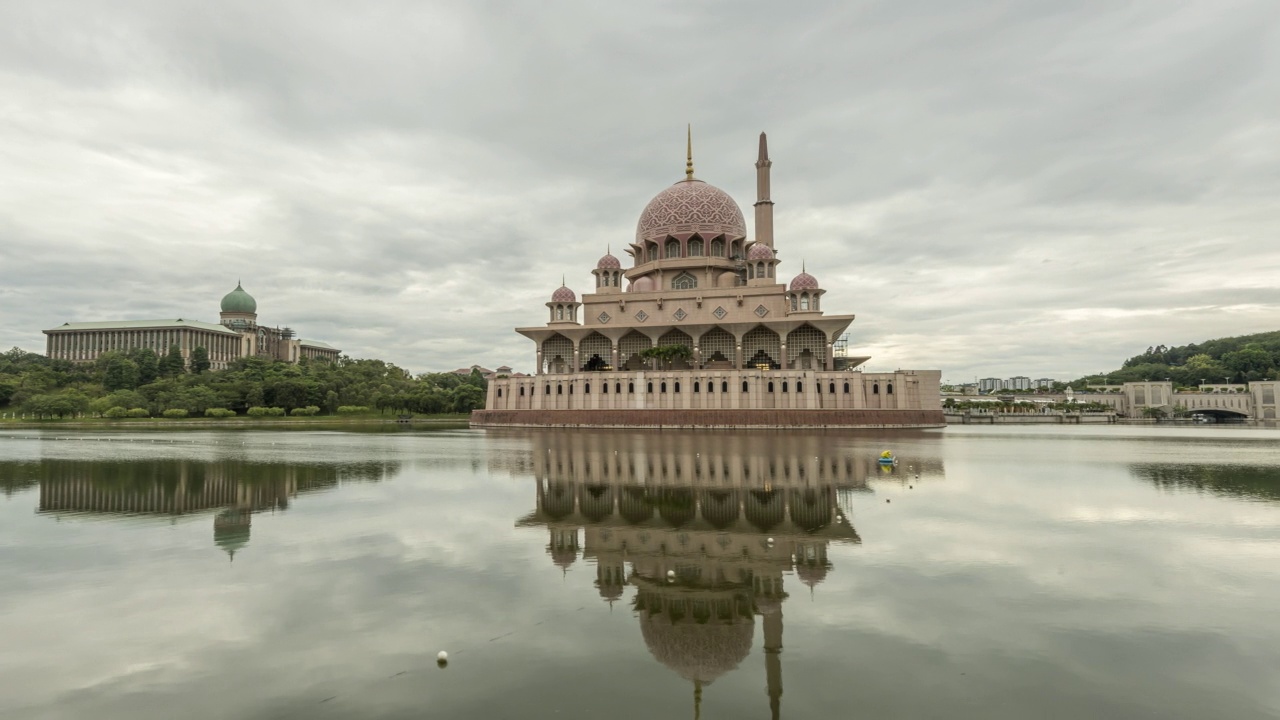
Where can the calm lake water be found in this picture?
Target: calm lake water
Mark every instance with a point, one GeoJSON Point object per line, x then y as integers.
{"type": "Point", "coordinates": [994, 573]}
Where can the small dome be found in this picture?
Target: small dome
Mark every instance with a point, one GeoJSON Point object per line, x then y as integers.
{"type": "Point", "coordinates": [564, 294]}
{"type": "Point", "coordinates": [760, 251]}
{"type": "Point", "coordinates": [643, 284]}
{"type": "Point", "coordinates": [239, 301]}
{"type": "Point", "coordinates": [804, 281]}
{"type": "Point", "coordinates": [811, 575]}
{"type": "Point", "coordinates": [608, 262]}
{"type": "Point", "coordinates": [691, 206]}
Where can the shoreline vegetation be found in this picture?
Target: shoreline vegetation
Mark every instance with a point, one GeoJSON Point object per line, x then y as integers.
{"type": "Point", "coordinates": [240, 422]}
{"type": "Point", "coordinates": [138, 386]}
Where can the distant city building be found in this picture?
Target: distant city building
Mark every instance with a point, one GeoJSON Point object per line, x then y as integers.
{"type": "Point", "coordinates": [237, 335]}
{"type": "Point", "coordinates": [988, 385]}
{"type": "Point", "coordinates": [486, 373]}
{"type": "Point", "coordinates": [1018, 382]}
{"type": "Point", "coordinates": [1044, 383]}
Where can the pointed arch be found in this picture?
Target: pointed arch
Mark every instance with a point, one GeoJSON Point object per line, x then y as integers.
{"type": "Point", "coordinates": [629, 349]}
{"type": "Point", "coordinates": [717, 346]}
{"type": "Point", "coordinates": [807, 348]}
{"type": "Point", "coordinates": [684, 281]}
{"type": "Point", "coordinates": [557, 354]}
{"type": "Point", "coordinates": [761, 348]}
{"type": "Point", "coordinates": [595, 352]}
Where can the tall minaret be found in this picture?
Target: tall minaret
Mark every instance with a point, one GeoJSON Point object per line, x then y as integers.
{"type": "Point", "coordinates": [773, 659]}
{"type": "Point", "coordinates": [764, 206]}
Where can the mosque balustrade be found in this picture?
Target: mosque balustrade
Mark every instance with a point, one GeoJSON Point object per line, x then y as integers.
{"type": "Point", "coordinates": [710, 389]}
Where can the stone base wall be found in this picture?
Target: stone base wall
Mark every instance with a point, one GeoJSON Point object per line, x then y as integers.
{"type": "Point", "coordinates": [710, 418]}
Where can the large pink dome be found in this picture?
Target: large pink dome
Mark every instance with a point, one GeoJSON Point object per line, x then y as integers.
{"type": "Point", "coordinates": [804, 281]}
{"type": "Point", "coordinates": [691, 206]}
{"type": "Point", "coordinates": [564, 294]}
{"type": "Point", "coordinates": [760, 251]}
{"type": "Point", "coordinates": [608, 262]}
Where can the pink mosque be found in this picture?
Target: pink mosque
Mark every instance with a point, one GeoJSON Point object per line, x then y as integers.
{"type": "Point", "coordinates": [701, 331]}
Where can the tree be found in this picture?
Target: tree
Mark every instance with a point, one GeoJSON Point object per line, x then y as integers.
{"type": "Point", "coordinates": [119, 373]}
{"type": "Point", "coordinates": [148, 364]}
{"type": "Point", "coordinates": [172, 363]}
{"type": "Point", "coordinates": [199, 360]}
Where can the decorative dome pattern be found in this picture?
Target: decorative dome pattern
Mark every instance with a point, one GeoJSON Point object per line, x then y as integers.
{"type": "Point", "coordinates": [697, 652]}
{"type": "Point", "coordinates": [760, 251]}
{"type": "Point", "coordinates": [691, 206]}
{"type": "Point", "coordinates": [239, 301]}
{"type": "Point", "coordinates": [804, 281]}
{"type": "Point", "coordinates": [564, 294]}
{"type": "Point", "coordinates": [608, 262]}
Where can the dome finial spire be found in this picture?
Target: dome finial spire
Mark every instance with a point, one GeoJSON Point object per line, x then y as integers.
{"type": "Point", "coordinates": [688, 149]}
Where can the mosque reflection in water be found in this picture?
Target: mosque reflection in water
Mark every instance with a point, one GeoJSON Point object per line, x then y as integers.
{"type": "Point", "coordinates": [232, 491]}
{"type": "Point", "coordinates": [704, 528]}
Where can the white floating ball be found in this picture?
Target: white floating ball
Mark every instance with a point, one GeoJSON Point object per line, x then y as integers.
{"type": "Point", "coordinates": [671, 574]}
{"type": "Point", "coordinates": [442, 656]}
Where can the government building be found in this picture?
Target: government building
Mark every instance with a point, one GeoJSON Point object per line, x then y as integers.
{"type": "Point", "coordinates": [702, 331]}
{"type": "Point", "coordinates": [236, 335]}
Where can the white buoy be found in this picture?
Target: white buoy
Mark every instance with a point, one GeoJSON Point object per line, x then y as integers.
{"type": "Point", "coordinates": [442, 656]}
{"type": "Point", "coordinates": [671, 574]}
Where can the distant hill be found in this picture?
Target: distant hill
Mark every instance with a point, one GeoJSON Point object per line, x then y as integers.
{"type": "Point", "coordinates": [1231, 359]}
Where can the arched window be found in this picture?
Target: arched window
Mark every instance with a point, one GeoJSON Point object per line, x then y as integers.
{"type": "Point", "coordinates": [832, 389]}
{"type": "Point", "coordinates": [770, 386]}
{"type": "Point", "coordinates": [548, 392]}
{"type": "Point", "coordinates": [697, 387]}
{"type": "Point", "coordinates": [677, 386]}
{"type": "Point", "coordinates": [618, 388]}
{"type": "Point", "coordinates": [684, 281]}
{"type": "Point", "coordinates": [744, 386]}
{"type": "Point", "coordinates": [662, 387]}
{"type": "Point", "coordinates": [888, 388]}
{"type": "Point", "coordinates": [804, 301]}
{"type": "Point", "coordinates": [875, 388]}
{"type": "Point", "coordinates": [522, 391]}
{"type": "Point", "coordinates": [846, 389]}
{"type": "Point", "coordinates": [586, 389]}
{"type": "Point", "coordinates": [604, 388]}
{"type": "Point", "coordinates": [559, 312]}
{"type": "Point", "coordinates": [672, 249]}
{"type": "Point", "coordinates": [499, 392]}
{"type": "Point", "coordinates": [559, 389]}
{"type": "Point", "coordinates": [724, 386]}
{"type": "Point", "coordinates": [800, 386]}
{"type": "Point", "coordinates": [795, 305]}
{"type": "Point", "coordinates": [631, 387]}
{"type": "Point", "coordinates": [653, 252]}
{"type": "Point", "coordinates": [717, 248]}
{"type": "Point", "coordinates": [695, 247]}
{"type": "Point", "coordinates": [650, 388]}
{"type": "Point", "coordinates": [570, 389]}
{"type": "Point", "coordinates": [784, 386]}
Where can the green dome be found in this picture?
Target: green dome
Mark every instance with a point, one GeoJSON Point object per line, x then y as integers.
{"type": "Point", "coordinates": [239, 301]}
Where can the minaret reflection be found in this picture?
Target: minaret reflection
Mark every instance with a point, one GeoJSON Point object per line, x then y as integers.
{"type": "Point", "coordinates": [705, 528]}
{"type": "Point", "coordinates": [233, 490]}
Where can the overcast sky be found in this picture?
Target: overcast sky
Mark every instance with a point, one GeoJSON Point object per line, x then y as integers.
{"type": "Point", "coordinates": [1038, 188]}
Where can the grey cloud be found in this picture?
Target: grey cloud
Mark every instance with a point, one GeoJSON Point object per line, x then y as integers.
{"type": "Point", "coordinates": [410, 181]}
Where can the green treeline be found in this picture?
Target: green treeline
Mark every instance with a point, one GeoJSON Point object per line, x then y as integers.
{"type": "Point", "coordinates": [1225, 360]}
{"type": "Point", "coordinates": [141, 384]}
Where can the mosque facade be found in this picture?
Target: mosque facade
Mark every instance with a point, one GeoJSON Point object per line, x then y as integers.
{"type": "Point", "coordinates": [702, 331]}
{"type": "Point", "coordinates": [237, 334]}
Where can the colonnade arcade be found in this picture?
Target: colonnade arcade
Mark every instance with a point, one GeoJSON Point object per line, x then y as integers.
{"type": "Point", "coordinates": [746, 347]}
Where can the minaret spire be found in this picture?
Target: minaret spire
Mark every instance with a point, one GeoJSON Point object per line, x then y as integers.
{"type": "Point", "coordinates": [688, 152]}
{"type": "Point", "coordinates": [764, 206]}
